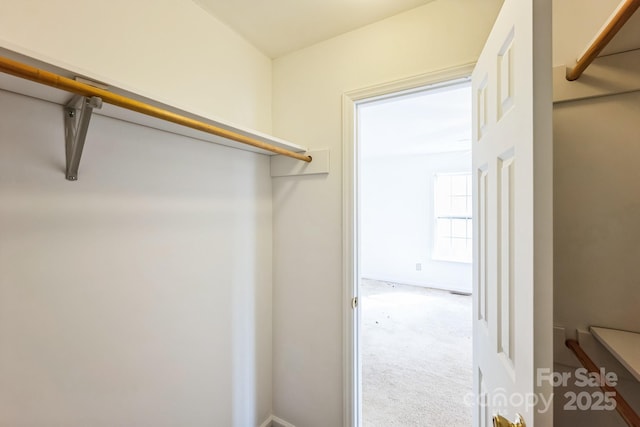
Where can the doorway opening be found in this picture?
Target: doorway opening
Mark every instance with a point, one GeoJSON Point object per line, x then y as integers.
{"type": "Point", "coordinates": [414, 252]}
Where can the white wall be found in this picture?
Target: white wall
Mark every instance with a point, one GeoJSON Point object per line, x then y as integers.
{"type": "Point", "coordinates": [596, 211]}
{"type": "Point", "coordinates": [397, 220]}
{"type": "Point", "coordinates": [170, 50]}
{"type": "Point", "coordinates": [308, 86]}
{"type": "Point", "coordinates": [575, 24]}
{"type": "Point", "coordinates": [596, 222]}
{"type": "Point", "coordinates": [139, 295]}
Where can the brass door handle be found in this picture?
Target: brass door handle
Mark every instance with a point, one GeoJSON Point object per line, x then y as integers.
{"type": "Point", "coordinates": [500, 421]}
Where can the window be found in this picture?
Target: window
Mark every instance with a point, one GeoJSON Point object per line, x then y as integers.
{"type": "Point", "coordinates": [453, 233]}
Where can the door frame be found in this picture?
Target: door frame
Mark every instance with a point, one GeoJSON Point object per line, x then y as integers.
{"type": "Point", "coordinates": [352, 405]}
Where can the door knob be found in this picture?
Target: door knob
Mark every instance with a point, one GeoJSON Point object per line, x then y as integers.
{"type": "Point", "coordinates": [500, 421]}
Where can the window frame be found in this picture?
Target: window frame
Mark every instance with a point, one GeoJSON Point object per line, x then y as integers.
{"type": "Point", "coordinates": [437, 252]}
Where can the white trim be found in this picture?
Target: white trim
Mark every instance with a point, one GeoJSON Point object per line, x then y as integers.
{"type": "Point", "coordinates": [349, 376]}
{"type": "Point", "coordinates": [349, 223]}
{"type": "Point", "coordinates": [607, 75]}
{"type": "Point", "coordinates": [287, 166]}
{"type": "Point", "coordinates": [281, 422]}
{"type": "Point", "coordinates": [269, 422]}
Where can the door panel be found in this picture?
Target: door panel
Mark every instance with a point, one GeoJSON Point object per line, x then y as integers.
{"type": "Point", "coordinates": [513, 222]}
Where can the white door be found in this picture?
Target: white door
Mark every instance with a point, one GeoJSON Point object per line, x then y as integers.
{"type": "Point", "coordinates": [513, 220]}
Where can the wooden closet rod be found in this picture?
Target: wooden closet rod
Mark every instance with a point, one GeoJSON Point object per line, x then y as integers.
{"type": "Point", "coordinates": [28, 72]}
{"type": "Point", "coordinates": [623, 408]}
{"type": "Point", "coordinates": [617, 21]}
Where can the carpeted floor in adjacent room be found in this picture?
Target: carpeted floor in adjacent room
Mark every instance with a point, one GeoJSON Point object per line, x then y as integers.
{"type": "Point", "coordinates": [416, 356]}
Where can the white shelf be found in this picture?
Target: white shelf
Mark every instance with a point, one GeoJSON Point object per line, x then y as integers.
{"type": "Point", "coordinates": [35, 90]}
{"type": "Point", "coordinates": [624, 345]}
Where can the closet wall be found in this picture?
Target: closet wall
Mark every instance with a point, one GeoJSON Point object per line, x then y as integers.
{"type": "Point", "coordinates": [596, 211]}
{"type": "Point", "coordinates": [597, 233]}
{"type": "Point", "coordinates": [308, 282]}
{"type": "Point", "coordinates": [171, 51]}
{"type": "Point", "coordinates": [139, 295]}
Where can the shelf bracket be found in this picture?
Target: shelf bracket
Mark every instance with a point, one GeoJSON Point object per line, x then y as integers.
{"type": "Point", "coordinates": [77, 115]}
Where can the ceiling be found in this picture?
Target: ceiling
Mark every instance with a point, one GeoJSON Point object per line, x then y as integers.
{"type": "Point", "coordinates": [278, 27]}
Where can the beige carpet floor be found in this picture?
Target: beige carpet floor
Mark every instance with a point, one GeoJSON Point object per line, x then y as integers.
{"type": "Point", "coordinates": [416, 356]}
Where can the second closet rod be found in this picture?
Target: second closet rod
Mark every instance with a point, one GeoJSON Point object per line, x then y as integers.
{"type": "Point", "coordinates": [615, 23]}
{"type": "Point", "coordinates": [47, 78]}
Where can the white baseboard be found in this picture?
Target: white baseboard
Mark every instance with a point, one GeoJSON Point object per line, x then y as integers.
{"type": "Point", "coordinates": [274, 421]}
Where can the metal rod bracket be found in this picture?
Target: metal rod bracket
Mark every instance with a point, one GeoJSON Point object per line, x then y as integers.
{"type": "Point", "coordinates": [77, 115]}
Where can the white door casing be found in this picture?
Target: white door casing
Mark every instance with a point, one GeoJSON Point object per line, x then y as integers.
{"type": "Point", "coordinates": [351, 319]}
{"type": "Point", "coordinates": [513, 218]}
